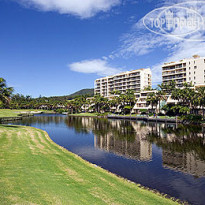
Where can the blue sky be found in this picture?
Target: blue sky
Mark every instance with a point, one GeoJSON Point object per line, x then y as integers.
{"type": "Point", "coordinates": [57, 47]}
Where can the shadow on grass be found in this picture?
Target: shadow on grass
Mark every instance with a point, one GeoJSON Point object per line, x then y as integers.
{"type": "Point", "coordinates": [9, 126]}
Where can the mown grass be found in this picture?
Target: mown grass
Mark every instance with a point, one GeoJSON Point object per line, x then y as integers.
{"type": "Point", "coordinates": [15, 113]}
{"type": "Point", "coordinates": [34, 170]}
{"type": "Point", "coordinates": [85, 114]}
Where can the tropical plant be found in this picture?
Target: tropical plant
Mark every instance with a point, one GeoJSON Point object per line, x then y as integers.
{"type": "Point", "coordinates": [5, 92]}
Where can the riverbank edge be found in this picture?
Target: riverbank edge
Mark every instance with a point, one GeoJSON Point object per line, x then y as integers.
{"type": "Point", "coordinates": [166, 120]}
{"type": "Point", "coordinates": [124, 180]}
{"type": "Point", "coordinates": [20, 116]}
{"type": "Point", "coordinates": [166, 196]}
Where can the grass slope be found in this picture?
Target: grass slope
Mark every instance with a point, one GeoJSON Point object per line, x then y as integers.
{"type": "Point", "coordinates": [34, 170]}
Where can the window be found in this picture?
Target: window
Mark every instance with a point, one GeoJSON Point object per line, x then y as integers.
{"type": "Point", "coordinates": [194, 78]}
{"type": "Point", "coordinates": [194, 72]}
{"type": "Point", "coordinates": [189, 78]}
{"type": "Point", "coordinates": [195, 67]}
{"type": "Point", "coordinates": [189, 73]}
{"type": "Point", "coordinates": [194, 62]}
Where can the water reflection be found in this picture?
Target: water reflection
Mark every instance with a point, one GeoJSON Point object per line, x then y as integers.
{"type": "Point", "coordinates": [126, 141]}
{"type": "Point", "coordinates": [183, 147]}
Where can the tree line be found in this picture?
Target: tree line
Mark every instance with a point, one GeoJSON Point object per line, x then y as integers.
{"type": "Point", "coordinates": [190, 101]}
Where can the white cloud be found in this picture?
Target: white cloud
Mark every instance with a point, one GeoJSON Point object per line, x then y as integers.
{"type": "Point", "coordinates": [140, 41]}
{"type": "Point", "coordinates": [97, 66]}
{"type": "Point", "coordinates": [81, 8]}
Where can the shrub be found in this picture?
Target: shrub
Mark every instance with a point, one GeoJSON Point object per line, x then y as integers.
{"type": "Point", "coordinates": [161, 114]}
{"type": "Point", "coordinates": [191, 118]}
{"type": "Point", "coordinates": [61, 111]}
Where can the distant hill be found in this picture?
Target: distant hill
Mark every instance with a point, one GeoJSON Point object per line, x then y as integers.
{"type": "Point", "coordinates": [89, 92]}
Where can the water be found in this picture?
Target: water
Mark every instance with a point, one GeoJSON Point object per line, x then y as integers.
{"type": "Point", "coordinates": [167, 157]}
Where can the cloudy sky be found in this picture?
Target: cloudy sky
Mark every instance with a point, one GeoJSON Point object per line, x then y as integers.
{"type": "Point", "coordinates": [56, 47]}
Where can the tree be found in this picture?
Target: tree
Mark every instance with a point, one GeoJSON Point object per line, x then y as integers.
{"type": "Point", "coordinates": [5, 92]}
{"type": "Point", "coordinates": [148, 88]}
{"type": "Point", "coordinates": [152, 100]}
{"type": "Point", "coordinates": [130, 99]}
{"type": "Point", "coordinates": [201, 98]}
{"type": "Point", "coordinates": [186, 98]}
{"type": "Point", "coordinates": [100, 103]}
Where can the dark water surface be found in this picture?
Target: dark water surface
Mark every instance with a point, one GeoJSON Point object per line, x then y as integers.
{"type": "Point", "coordinates": [167, 157]}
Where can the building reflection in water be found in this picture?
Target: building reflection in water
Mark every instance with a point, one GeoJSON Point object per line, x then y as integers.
{"type": "Point", "coordinates": [131, 145]}
{"type": "Point", "coordinates": [183, 147]}
{"type": "Point", "coordinates": [123, 138]}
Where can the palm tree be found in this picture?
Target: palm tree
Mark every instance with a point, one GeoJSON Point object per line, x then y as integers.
{"type": "Point", "coordinates": [5, 92]}
{"type": "Point", "coordinates": [161, 94]}
{"type": "Point", "coordinates": [185, 97]}
{"type": "Point", "coordinates": [99, 102]}
{"type": "Point", "coordinates": [201, 98]}
{"type": "Point", "coordinates": [130, 98]}
{"type": "Point", "coordinates": [152, 100]}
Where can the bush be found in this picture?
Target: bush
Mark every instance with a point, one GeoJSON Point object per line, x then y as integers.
{"type": "Point", "coordinates": [191, 118]}
{"type": "Point", "coordinates": [61, 111]}
{"type": "Point", "coordinates": [161, 114]}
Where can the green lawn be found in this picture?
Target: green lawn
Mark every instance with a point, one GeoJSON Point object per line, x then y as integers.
{"type": "Point", "coordinates": [14, 113]}
{"type": "Point", "coordinates": [85, 114]}
{"type": "Point", "coordinates": [34, 170]}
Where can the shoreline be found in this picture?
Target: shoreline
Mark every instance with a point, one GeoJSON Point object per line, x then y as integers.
{"type": "Point", "coordinates": [102, 171]}
{"type": "Point", "coordinates": [16, 115]}
{"type": "Point", "coordinates": [118, 176]}
{"type": "Point", "coordinates": [165, 120]}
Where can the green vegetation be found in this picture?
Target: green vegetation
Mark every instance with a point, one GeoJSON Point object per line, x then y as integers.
{"type": "Point", "coordinates": [191, 101]}
{"type": "Point", "coordinates": [5, 93]}
{"type": "Point", "coordinates": [86, 114]}
{"type": "Point", "coordinates": [88, 92]}
{"type": "Point", "coordinates": [189, 107]}
{"type": "Point", "coordinates": [15, 113]}
{"type": "Point", "coordinates": [34, 170]}
{"type": "Point", "coordinates": [46, 103]}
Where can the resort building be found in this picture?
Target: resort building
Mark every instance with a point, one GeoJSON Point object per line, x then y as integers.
{"type": "Point", "coordinates": [135, 80]}
{"type": "Point", "coordinates": [187, 70]}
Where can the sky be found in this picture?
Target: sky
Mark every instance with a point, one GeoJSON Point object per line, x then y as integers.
{"type": "Point", "coordinates": [57, 47]}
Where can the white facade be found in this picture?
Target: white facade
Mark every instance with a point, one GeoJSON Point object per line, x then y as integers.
{"type": "Point", "coordinates": [187, 70]}
{"type": "Point", "coordinates": [135, 80]}
{"type": "Point", "coordinates": [142, 100]}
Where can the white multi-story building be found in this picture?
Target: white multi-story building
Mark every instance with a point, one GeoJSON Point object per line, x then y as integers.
{"type": "Point", "coordinates": [187, 70]}
{"type": "Point", "coordinates": [135, 80]}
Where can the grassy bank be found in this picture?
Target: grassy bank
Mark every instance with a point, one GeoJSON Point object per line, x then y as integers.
{"type": "Point", "coordinates": [34, 170]}
{"type": "Point", "coordinates": [85, 114]}
{"type": "Point", "coordinates": [15, 113]}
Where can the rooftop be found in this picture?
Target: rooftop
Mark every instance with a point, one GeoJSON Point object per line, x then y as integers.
{"type": "Point", "coordinates": [183, 60]}
{"type": "Point", "coordinates": [126, 72]}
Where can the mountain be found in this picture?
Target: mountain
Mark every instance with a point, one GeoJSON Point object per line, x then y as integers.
{"type": "Point", "coordinates": [89, 92]}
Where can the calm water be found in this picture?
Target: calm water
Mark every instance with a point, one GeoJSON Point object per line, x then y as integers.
{"type": "Point", "coordinates": [164, 157]}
